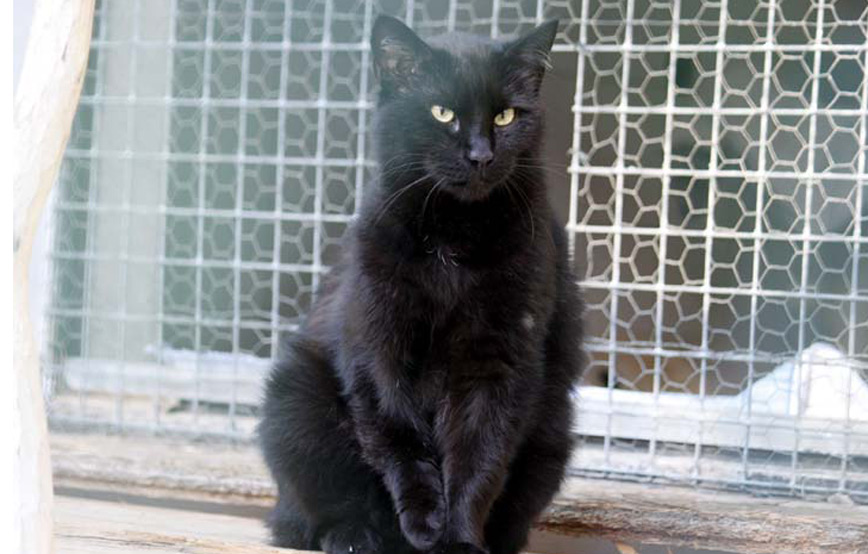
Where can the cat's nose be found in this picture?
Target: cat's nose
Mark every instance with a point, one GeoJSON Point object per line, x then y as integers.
{"type": "Point", "coordinates": [479, 153]}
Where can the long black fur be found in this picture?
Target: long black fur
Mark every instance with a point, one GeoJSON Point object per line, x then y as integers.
{"type": "Point", "coordinates": [425, 405]}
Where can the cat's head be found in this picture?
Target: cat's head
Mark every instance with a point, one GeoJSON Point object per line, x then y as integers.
{"type": "Point", "coordinates": [459, 111]}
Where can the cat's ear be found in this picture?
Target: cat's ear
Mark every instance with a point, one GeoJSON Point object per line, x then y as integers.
{"type": "Point", "coordinates": [399, 53]}
{"type": "Point", "coordinates": [531, 51]}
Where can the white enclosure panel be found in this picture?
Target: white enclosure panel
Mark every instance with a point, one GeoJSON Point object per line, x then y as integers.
{"type": "Point", "coordinates": [708, 159]}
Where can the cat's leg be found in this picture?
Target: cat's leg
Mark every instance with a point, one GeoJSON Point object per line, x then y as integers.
{"type": "Point", "coordinates": [329, 497]}
{"type": "Point", "coordinates": [537, 471]}
{"type": "Point", "coordinates": [400, 446]}
{"type": "Point", "coordinates": [501, 406]}
{"type": "Point", "coordinates": [481, 425]}
{"type": "Point", "coordinates": [534, 478]}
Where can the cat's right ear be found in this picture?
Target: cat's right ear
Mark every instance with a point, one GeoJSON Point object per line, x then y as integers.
{"type": "Point", "coordinates": [529, 55]}
{"type": "Point", "coordinates": [399, 53]}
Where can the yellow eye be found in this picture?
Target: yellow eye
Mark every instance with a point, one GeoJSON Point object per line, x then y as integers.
{"type": "Point", "coordinates": [441, 114]}
{"type": "Point", "coordinates": [505, 117]}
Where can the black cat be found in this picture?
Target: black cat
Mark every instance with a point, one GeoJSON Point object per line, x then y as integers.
{"type": "Point", "coordinates": [425, 405]}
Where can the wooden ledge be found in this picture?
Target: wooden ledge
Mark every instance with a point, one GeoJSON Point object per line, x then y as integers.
{"type": "Point", "coordinates": [89, 526]}
{"type": "Point", "coordinates": [225, 479]}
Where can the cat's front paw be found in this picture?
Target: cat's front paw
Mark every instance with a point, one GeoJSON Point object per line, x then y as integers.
{"type": "Point", "coordinates": [351, 538]}
{"type": "Point", "coordinates": [422, 509]}
{"type": "Point", "coordinates": [422, 529]}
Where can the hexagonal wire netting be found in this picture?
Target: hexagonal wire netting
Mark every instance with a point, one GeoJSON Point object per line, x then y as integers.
{"type": "Point", "coordinates": [712, 177]}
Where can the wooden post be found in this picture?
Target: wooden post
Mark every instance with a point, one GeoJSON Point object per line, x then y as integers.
{"type": "Point", "coordinates": [45, 103]}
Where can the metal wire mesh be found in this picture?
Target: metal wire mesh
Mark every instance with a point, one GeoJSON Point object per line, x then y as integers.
{"type": "Point", "coordinates": [714, 192]}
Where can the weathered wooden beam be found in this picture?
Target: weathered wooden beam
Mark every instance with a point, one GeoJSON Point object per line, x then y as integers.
{"type": "Point", "coordinates": [234, 476]}
{"type": "Point", "coordinates": [45, 102]}
{"type": "Point", "coordinates": [669, 515]}
{"type": "Point", "coordinates": [96, 527]}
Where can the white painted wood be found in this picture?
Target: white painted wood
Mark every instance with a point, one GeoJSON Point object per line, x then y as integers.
{"type": "Point", "coordinates": [175, 376]}
{"type": "Point", "coordinates": [832, 400]}
{"type": "Point", "coordinates": [45, 102]}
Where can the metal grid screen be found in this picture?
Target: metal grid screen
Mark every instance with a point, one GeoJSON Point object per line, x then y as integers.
{"type": "Point", "coordinates": [712, 174]}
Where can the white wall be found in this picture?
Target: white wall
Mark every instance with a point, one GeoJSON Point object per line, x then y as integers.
{"type": "Point", "coordinates": [22, 15]}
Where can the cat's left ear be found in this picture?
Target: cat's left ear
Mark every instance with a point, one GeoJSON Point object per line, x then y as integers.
{"type": "Point", "coordinates": [531, 51]}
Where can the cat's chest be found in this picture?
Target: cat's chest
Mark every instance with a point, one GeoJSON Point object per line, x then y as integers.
{"type": "Point", "coordinates": [447, 268]}
{"type": "Point", "coordinates": [441, 255]}
{"type": "Point", "coordinates": [440, 277]}
{"type": "Point", "coordinates": [449, 280]}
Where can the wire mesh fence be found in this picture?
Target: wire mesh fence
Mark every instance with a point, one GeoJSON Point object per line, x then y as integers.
{"type": "Point", "coordinates": [712, 177]}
